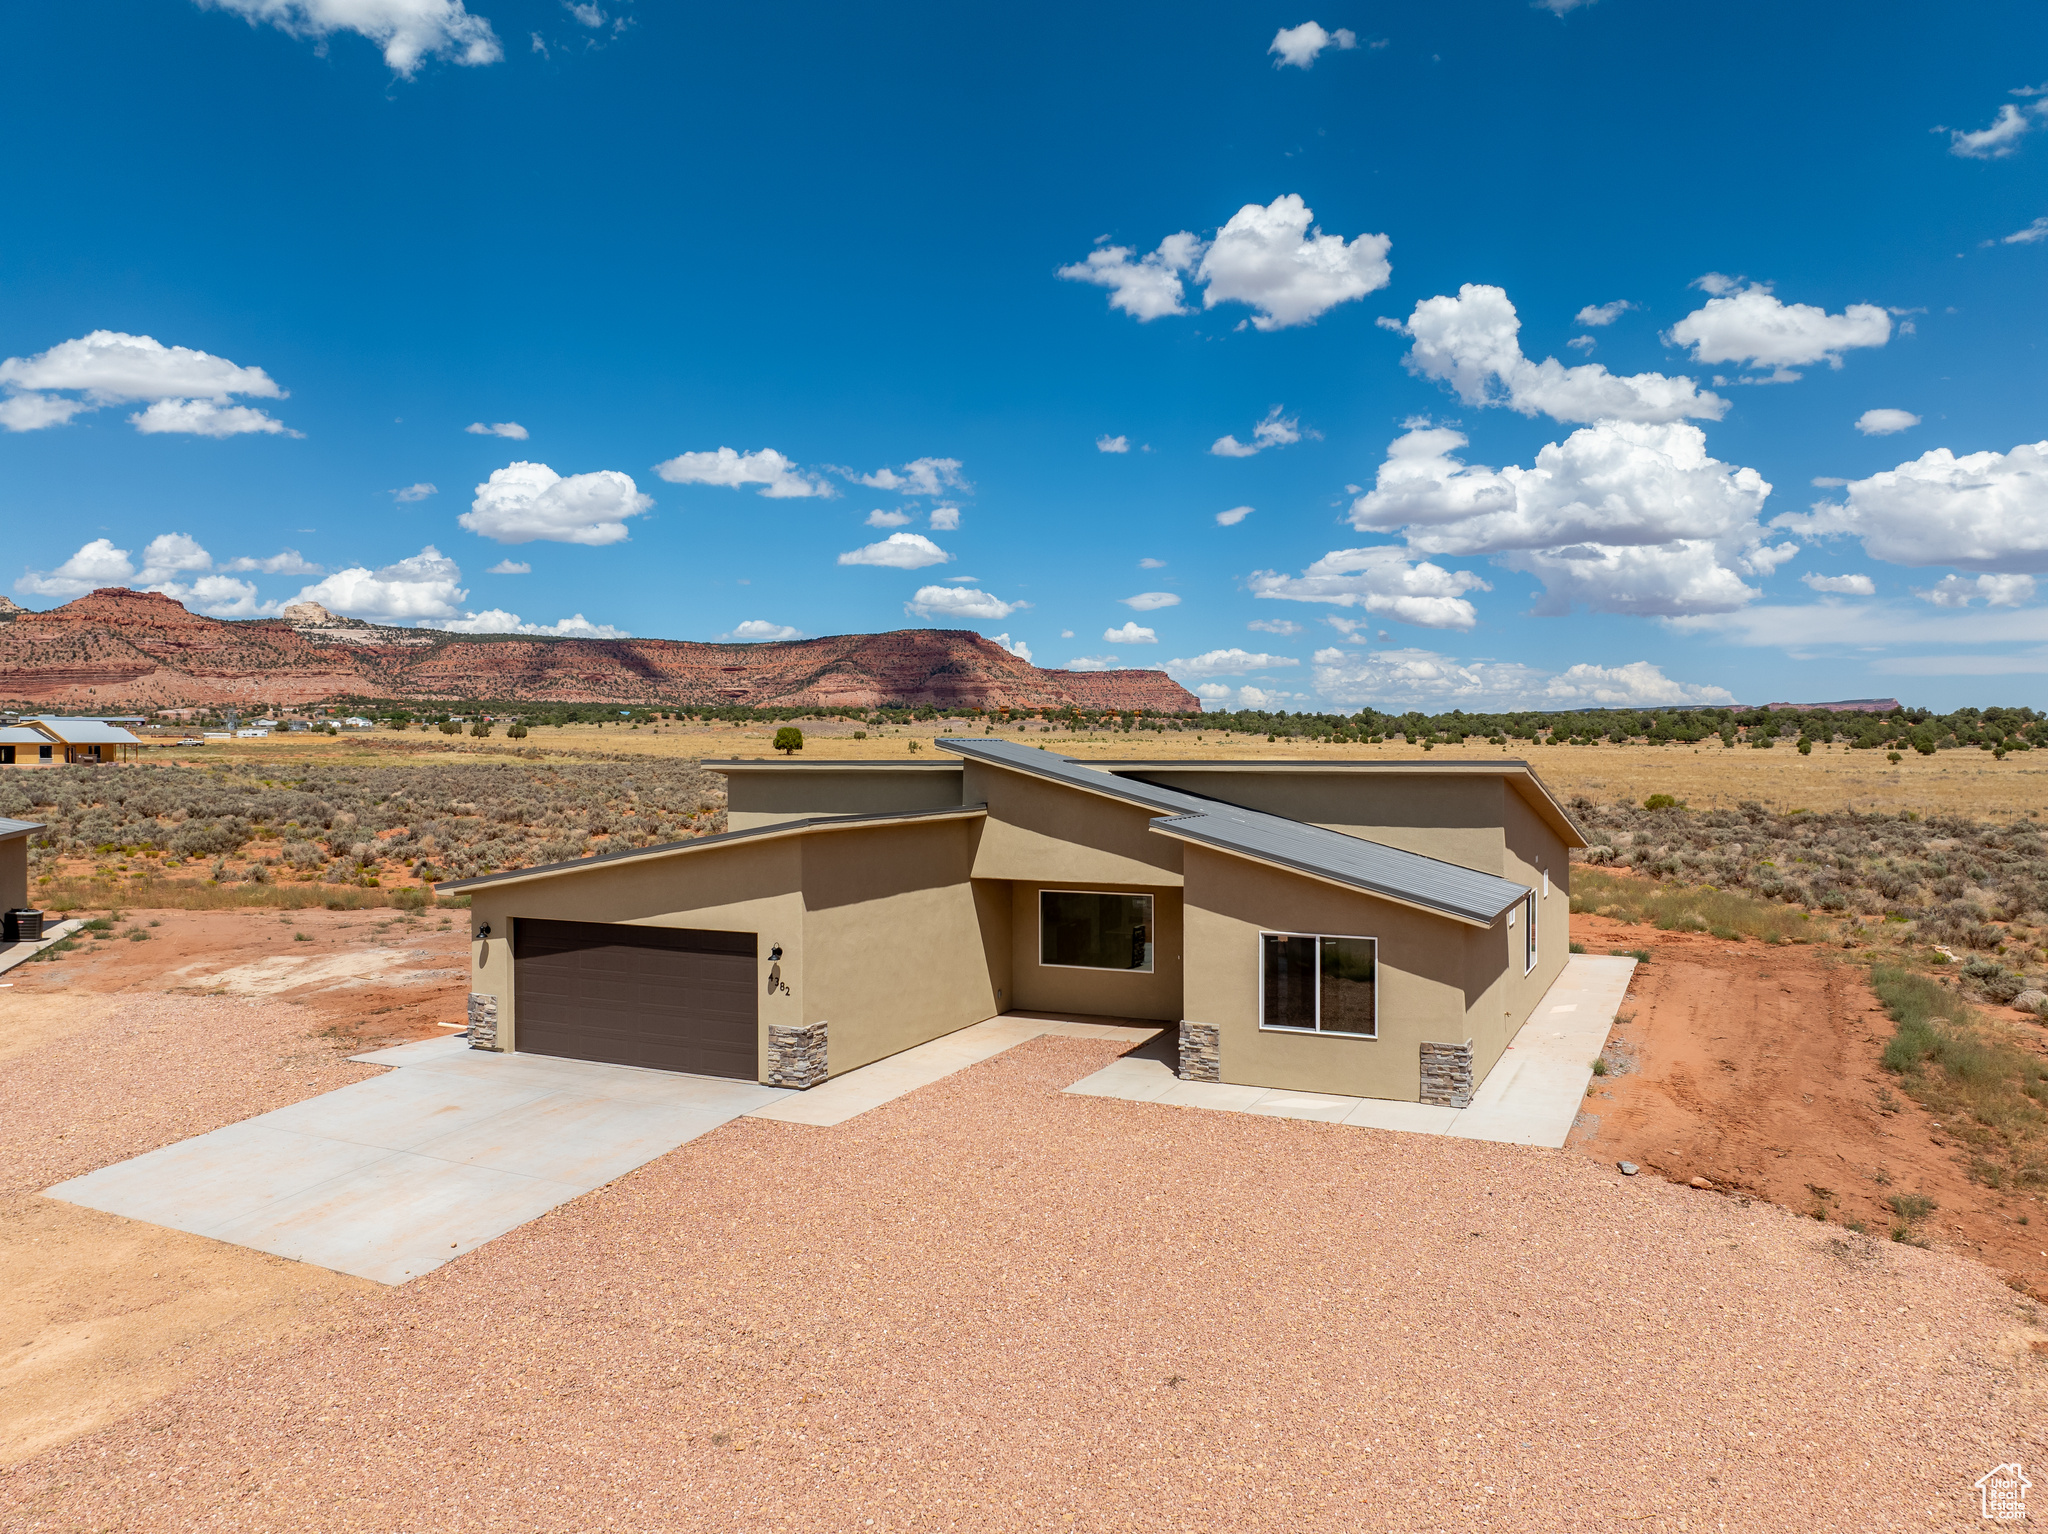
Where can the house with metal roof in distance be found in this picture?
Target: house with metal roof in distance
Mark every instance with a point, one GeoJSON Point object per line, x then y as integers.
{"type": "Point", "coordinates": [1365, 929]}
{"type": "Point", "coordinates": [46, 740]}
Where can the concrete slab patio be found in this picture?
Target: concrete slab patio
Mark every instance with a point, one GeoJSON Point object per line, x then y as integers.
{"type": "Point", "coordinates": [1531, 1097]}
{"type": "Point", "coordinates": [389, 1178]}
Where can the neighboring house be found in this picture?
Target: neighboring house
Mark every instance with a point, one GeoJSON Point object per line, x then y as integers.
{"type": "Point", "coordinates": [252, 735]}
{"type": "Point", "coordinates": [355, 722]}
{"type": "Point", "coordinates": [45, 740]}
{"type": "Point", "coordinates": [14, 835]}
{"type": "Point", "coordinates": [1369, 929]}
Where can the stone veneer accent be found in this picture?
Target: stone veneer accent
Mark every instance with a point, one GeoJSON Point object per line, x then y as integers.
{"type": "Point", "coordinates": [796, 1057]}
{"type": "Point", "coordinates": [1201, 1052]}
{"type": "Point", "coordinates": [483, 1021]}
{"type": "Point", "coordinates": [1447, 1074]}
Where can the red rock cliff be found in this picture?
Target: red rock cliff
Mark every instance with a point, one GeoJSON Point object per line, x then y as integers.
{"type": "Point", "coordinates": [118, 649]}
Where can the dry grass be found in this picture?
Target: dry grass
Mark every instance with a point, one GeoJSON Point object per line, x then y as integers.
{"type": "Point", "coordinates": [1990, 1093]}
{"type": "Point", "coordinates": [1691, 908]}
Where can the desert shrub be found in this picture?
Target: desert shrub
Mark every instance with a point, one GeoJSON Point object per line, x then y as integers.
{"type": "Point", "coordinates": [1682, 908]}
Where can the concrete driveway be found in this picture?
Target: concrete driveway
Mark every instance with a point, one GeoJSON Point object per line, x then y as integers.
{"type": "Point", "coordinates": [389, 1178]}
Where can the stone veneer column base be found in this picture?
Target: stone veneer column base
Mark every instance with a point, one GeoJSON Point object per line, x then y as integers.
{"type": "Point", "coordinates": [1447, 1074]}
{"type": "Point", "coordinates": [483, 1021]}
{"type": "Point", "coordinates": [796, 1057]}
{"type": "Point", "coordinates": [1201, 1052]}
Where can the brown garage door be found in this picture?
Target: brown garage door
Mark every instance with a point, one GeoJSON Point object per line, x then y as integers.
{"type": "Point", "coordinates": [670, 998]}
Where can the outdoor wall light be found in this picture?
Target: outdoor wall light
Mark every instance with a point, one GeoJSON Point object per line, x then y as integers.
{"type": "Point", "coordinates": [484, 930]}
{"type": "Point", "coordinates": [775, 953]}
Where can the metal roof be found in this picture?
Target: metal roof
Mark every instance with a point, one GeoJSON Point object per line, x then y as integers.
{"type": "Point", "coordinates": [84, 732]}
{"type": "Point", "coordinates": [11, 828]}
{"type": "Point", "coordinates": [723, 839]}
{"type": "Point", "coordinates": [1408, 877]}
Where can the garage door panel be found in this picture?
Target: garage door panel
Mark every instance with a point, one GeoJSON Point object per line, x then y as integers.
{"type": "Point", "coordinates": [668, 998]}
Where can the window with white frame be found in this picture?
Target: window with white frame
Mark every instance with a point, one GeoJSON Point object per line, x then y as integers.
{"type": "Point", "coordinates": [1317, 983]}
{"type": "Point", "coordinates": [1095, 929]}
{"type": "Point", "coordinates": [1530, 906]}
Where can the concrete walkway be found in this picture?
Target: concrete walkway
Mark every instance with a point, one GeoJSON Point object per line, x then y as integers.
{"type": "Point", "coordinates": [1530, 1097]}
{"type": "Point", "coordinates": [12, 954]}
{"type": "Point", "coordinates": [389, 1178]}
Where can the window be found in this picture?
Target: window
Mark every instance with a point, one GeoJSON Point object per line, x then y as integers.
{"type": "Point", "coordinates": [43, 753]}
{"type": "Point", "coordinates": [1314, 984]}
{"type": "Point", "coordinates": [1529, 908]}
{"type": "Point", "coordinates": [1094, 929]}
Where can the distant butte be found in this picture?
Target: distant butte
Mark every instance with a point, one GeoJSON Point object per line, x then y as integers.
{"type": "Point", "coordinates": [124, 649]}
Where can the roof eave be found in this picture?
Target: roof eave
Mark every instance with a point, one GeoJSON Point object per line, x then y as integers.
{"type": "Point", "coordinates": [1324, 876]}
{"type": "Point", "coordinates": [723, 839]}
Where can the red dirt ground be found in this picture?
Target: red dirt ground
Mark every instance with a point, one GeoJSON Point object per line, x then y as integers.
{"type": "Point", "coordinates": [1757, 1068]}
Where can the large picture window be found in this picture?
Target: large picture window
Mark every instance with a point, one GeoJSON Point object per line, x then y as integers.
{"type": "Point", "coordinates": [1310, 983]}
{"type": "Point", "coordinates": [1094, 929]}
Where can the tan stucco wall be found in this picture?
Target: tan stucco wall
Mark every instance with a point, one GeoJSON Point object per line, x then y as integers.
{"type": "Point", "coordinates": [1456, 819]}
{"type": "Point", "coordinates": [1425, 969]}
{"type": "Point", "coordinates": [1099, 992]}
{"type": "Point", "coordinates": [14, 872]}
{"type": "Point", "coordinates": [773, 793]}
{"type": "Point", "coordinates": [1055, 834]}
{"type": "Point", "coordinates": [742, 888]}
{"type": "Point", "coordinates": [885, 936]}
{"type": "Point", "coordinates": [1533, 849]}
{"type": "Point", "coordinates": [897, 938]}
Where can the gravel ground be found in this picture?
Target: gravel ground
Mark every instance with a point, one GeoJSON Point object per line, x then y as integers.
{"type": "Point", "coordinates": [991, 1306]}
{"type": "Point", "coordinates": [151, 1071]}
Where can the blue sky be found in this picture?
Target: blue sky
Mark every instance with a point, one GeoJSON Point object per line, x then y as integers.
{"type": "Point", "coordinates": [1542, 342]}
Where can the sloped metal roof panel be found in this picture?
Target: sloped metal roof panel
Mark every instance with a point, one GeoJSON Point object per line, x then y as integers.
{"type": "Point", "coordinates": [1463, 893]}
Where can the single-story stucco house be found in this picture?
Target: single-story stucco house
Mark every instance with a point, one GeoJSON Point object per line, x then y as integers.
{"type": "Point", "coordinates": [1368, 929]}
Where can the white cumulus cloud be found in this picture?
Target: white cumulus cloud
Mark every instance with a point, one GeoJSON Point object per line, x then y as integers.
{"type": "Point", "coordinates": [778, 475]}
{"type": "Point", "coordinates": [426, 585]}
{"type": "Point", "coordinates": [1275, 626]}
{"type": "Point", "coordinates": [2001, 136]}
{"type": "Point", "coordinates": [510, 567]}
{"type": "Point", "coordinates": [960, 602]}
{"type": "Point", "coordinates": [1108, 444]}
{"type": "Point", "coordinates": [1232, 517]}
{"type": "Point", "coordinates": [1145, 287]}
{"type": "Point", "coordinates": [284, 562]}
{"type": "Point", "coordinates": [1423, 678]}
{"type": "Point", "coordinates": [898, 551]}
{"type": "Point", "coordinates": [756, 630]}
{"type": "Point", "coordinates": [1882, 423]}
{"type": "Point", "coordinates": [881, 518]}
{"type": "Point", "coordinates": [945, 519]}
{"type": "Point", "coordinates": [1276, 261]}
{"type": "Point", "coordinates": [1841, 585]}
{"type": "Point", "coordinates": [524, 502]}
{"type": "Point", "coordinates": [186, 391]}
{"type": "Point", "coordinates": [921, 476]}
{"type": "Point", "coordinates": [1131, 633]}
{"type": "Point", "coordinates": [203, 418]}
{"type": "Point", "coordinates": [1596, 315]}
{"type": "Point", "coordinates": [1273, 259]}
{"type": "Point", "coordinates": [408, 31]}
{"type": "Point", "coordinates": [1274, 431]}
{"type": "Point", "coordinates": [510, 429]}
{"type": "Point", "coordinates": [1230, 662]}
{"type": "Point", "coordinates": [1299, 46]}
{"type": "Point", "coordinates": [96, 564]}
{"type": "Point", "coordinates": [2033, 234]}
{"type": "Point", "coordinates": [1091, 662]}
{"type": "Point", "coordinates": [416, 492]}
{"type": "Point", "coordinates": [1150, 601]}
{"type": "Point", "coordinates": [1982, 511]}
{"type": "Point", "coordinates": [497, 621]}
{"type": "Point", "coordinates": [1473, 343]}
{"type": "Point", "coordinates": [1754, 328]}
{"type": "Point", "coordinates": [1621, 516]}
{"type": "Point", "coordinates": [1991, 590]}
{"type": "Point", "coordinates": [1380, 580]}
{"type": "Point", "coordinates": [1016, 647]}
